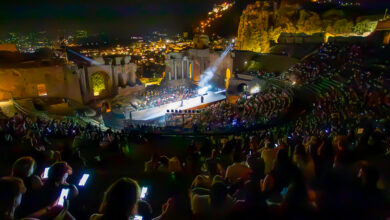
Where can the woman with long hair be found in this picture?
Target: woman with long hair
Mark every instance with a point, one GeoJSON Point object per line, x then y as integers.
{"type": "Point", "coordinates": [120, 201]}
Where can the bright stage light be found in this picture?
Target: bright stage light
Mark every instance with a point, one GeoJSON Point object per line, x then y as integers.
{"type": "Point", "coordinates": [255, 89]}
{"type": "Point", "coordinates": [208, 75]}
{"type": "Point", "coordinates": [203, 90]}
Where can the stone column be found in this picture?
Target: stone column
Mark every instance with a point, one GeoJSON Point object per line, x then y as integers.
{"type": "Point", "coordinates": [192, 70]}
{"type": "Point", "coordinates": [174, 62]}
{"type": "Point", "coordinates": [182, 69]}
{"type": "Point", "coordinates": [188, 68]}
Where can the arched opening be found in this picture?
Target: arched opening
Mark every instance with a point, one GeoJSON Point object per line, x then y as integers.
{"type": "Point", "coordinates": [99, 83]}
{"type": "Point", "coordinates": [190, 70]}
{"type": "Point", "coordinates": [242, 87]}
{"type": "Point", "coordinates": [228, 75]}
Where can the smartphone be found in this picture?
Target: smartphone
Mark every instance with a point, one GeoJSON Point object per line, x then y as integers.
{"type": "Point", "coordinates": [360, 130]}
{"type": "Point", "coordinates": [63, 196]}
{"type": "Point", "coordinates": [137, 217]}
{"type": "Point", "coordinates": [250, 153]}
{"type": "Point", "coordinates": [83, 180]}
{"type": "Point", "coordinates": [45, 174]}
{"type": "Point", "coordinates": [144, 190]}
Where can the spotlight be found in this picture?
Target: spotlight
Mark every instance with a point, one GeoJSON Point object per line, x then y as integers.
{"type": "Point", "coordinates": [203, 90]}
{"type": "Point", "coordinates": [255, 89]}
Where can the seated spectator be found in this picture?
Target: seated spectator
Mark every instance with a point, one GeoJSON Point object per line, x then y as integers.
{"type": "Point", "coordinates": [304, 162]}
{"type": "Point", "coordinates": [201, 181]}
{"type": "Point", "coordinates": [164, 162]}
{"type": "Point", "coordinates": [296, 201]}
{"type": "Point", "coordinates": [120, 201]}
{"type": "Point", "coordinates": [11, 190]}
{"type": "Point", "coordinates": [174, 165]}
{"type": "Point", "coordinates": [279, 177]}
{"type": "Point", "coordinates": [253, 204]}
{"type": "Point", "coordinates": [268, 154]}
{"type": "Point", "coordinates": [24, 168]}
{"type": "Point", "coordinates": [237, 171]}
{"type": "Point", "coordinates": [152, 164]}
{"type": "Point", "coordinates": [215, 204]}
{"type": "Point", "coordinates": [56, 181]}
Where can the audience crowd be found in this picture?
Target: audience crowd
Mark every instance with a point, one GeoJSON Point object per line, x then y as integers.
{"type": "Point", "coordinates": [329, 162]}
{"type": "Point", "coordinates": [249, 110]}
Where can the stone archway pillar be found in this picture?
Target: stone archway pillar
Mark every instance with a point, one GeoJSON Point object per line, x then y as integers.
{"type": "Point", "coordinates": [182, 69]}
{"type": "Point", "coordinates": [174, 64]}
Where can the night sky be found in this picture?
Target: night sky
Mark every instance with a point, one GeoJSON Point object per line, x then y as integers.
{"type": "Point", "coordinates": [117, 17]}
{"type": "Point", "coordinates": [113, 16]}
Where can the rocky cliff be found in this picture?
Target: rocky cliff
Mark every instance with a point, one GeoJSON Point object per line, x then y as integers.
{"type": "Point", "coordinates": [263, 22]}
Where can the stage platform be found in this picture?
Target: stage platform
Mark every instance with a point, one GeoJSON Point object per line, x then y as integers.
{"type": "Point", "coordinates": [157, 112]}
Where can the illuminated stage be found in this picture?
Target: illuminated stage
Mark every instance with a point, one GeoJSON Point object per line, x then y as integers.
{"type": "Point", "coordinates": [156, 112]}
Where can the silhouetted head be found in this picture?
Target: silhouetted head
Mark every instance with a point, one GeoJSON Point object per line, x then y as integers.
{"type": "Point", "coordinates": [369, 176]}
{"type": "Point", "coordinates": [218, 194]}
{"type": "Point", "coordinates": [23, 167]}
{"type": "Point", "coordinates": [11, 190]}
{"type": "Point", "coordinates": [120, 199]}
{"type": "Point", "coordinates": [59, 172]}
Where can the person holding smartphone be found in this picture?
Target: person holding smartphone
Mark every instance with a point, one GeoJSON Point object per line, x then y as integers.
{"type": "Point", "coordinates": [120, 201]}
{"type": "Point", "coordinates": [54, 185]}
